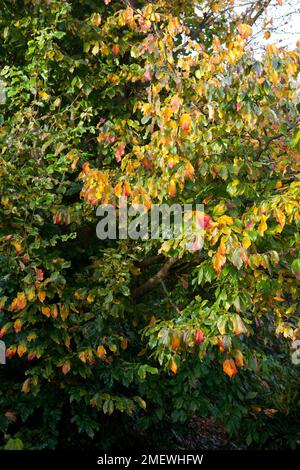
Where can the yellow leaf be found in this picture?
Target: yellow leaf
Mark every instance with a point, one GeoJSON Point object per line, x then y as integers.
{"type": "Point", "coordinates": [43, 95]}
{"type": "Point", "coordinates": [173, 366]}
{"type": "Point", "coordinates": [262, 226]}
{"type": "Point", "coordinates": [246, 241]}
{"type": "Point", "coordinates": [95, 49]}
{"type": "Point", "coordinates": [30, 293]}
{"type": "Point", "coordinates": [167, 114]}
{"type": "Point", "coordinates": [90, 298]}
{"type": "Point", "coordinates": [172, 188]}
{"type": "Point", "coordinates": [82, 357]}
{"type": "Point", "coordinates": [64, 311]}
{"type": "Point", "coordinates": [17, 246]}
{"type": "Point", "coordinates": [26, 386]}
{"type": "Point", "coordinates": [101, 351]}
{"type": "Point", "coordinates": [245, 30]}
{"type": "Point", "coordinates": [225, 220]}
{"type": "Point", "coordinates": [189, 170]}
{"type": "Point", "coordinates": [124, 343]}
{"type": "Point", "coordinates": [31, 337]}
{"type": "Point", "coordinates": [238, 325]}
{"type": "Point", "coordinates": [21, 349]}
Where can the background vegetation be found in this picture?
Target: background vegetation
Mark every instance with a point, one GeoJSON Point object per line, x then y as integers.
{"type": "Point", "coordinates": [160, 102]}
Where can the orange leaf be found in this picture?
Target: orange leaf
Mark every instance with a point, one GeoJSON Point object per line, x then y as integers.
{"type": "Point", "coordinates": [116, 49]}
{"type": "Point", "coordinates": [172, 188]}
{"type": "Point", "coordinates": [219, 260]}
{"type": "Point", "coordinates": [86, 168]}
{"type": "Point", "coordinates": [46, 311]}
{"type": "Point", "coordinates": [185, 121]}
{"type": "Point", "coordinates": [120, 152]}
{"type": "Point", "coordinates": [189, 171]}
{"type": "Point", "coordinates": [11, 351]}
{"type": "Point", "coordinates": [11, 416]}
{"type": "Point", "coordinates": [54, 312]}
{"type": "Point", "coordinates": [19, 302]}
{"type": "Point", "coordinates": [18, 325]}
{"type": "Point", "coordinates": [176, 102]}
{"type": "Point", "coordinates": [175, 342]}
{"type": "Point", "coordinates": [280, 217]}
{"type": "Point", "coordinates": [127, 189]}
{"type": "Point", "coordinates": [229, 367]}
{"type": "Point", "coordinates": [41, 295]}
{"type": "Point", "coordinates": [239, 358]}
{"type": "Point", "coordinates": [17, 246]}
{"type": "Point", "coordinates": [101, 351]}
{"type": "Point", "coordinates": [118, 189]}
{"type": "Point", "coordinates": [66, 367]}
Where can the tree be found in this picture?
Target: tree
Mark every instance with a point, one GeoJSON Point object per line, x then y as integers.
{"type": "Point", "coordinates": [159, 102]}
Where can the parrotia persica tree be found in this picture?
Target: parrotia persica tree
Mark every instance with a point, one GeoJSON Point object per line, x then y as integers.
{"type": "Point", "coordinates": [161, 102]}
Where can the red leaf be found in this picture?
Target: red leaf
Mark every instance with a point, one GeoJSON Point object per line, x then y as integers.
{"type": "Point", "coordinates": [120, 152]}
{"type": "Point", "coordinates": [40, 274]}
{"type": "Point", "coordinates": [116, 49]}
{"type": "Point", "coordinates": [147, 74]}
{"type": "Point", "coordinates": [199, 337]}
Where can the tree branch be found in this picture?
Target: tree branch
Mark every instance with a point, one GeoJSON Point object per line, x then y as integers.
{"type": "Point", "coordinates": [259, 8]}
{"type": "Point", "coordinates": [144, 263]}
{"type": "Point", "coordinates": [155, 280]}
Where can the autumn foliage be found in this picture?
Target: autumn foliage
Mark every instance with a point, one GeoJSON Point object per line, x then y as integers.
{"type": "Point", "coordinates": [158, 102]}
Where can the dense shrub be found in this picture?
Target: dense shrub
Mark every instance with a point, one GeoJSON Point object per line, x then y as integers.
{"type": "Point", "coordinates": [158, 102]}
